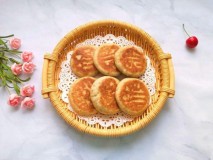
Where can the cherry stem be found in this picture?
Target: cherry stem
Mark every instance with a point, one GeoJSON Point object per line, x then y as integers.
{"type": "Point", "coordinates": [185, 30]}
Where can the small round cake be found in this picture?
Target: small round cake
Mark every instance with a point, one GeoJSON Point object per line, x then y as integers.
{"type": "Point", "coordinates": [132, 96]}
{"type": "Point", "coordinates": [103, 95]}
{"type": "Point", "coordinates": [104, 59]}
{"type": "Point", "coordinates": [131, 61]}
{"type": "Point", "coordinates": [79, 96]}
{"type": "Point", "coordinates": [82, 61]}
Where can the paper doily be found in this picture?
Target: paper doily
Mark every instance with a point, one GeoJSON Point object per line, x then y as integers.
{"type": "Point", "coordinates": [67, 78]}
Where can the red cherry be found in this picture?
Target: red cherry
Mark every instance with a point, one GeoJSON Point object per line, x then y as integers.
{"type": "Point", "coordinates": [192, 41]}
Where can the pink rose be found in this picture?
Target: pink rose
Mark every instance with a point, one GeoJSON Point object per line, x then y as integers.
{"type": "Point", "coordinates": [14, 100]}
{"type": "Point", "coordinates": [27, 90]}
{"type": "Point", "coordinates": [15, 43]}
{"type": "Point", "coordinates": [28, 103]}
{"type": "Point", "coordinates": [28, 67]}
{"type": "Point", "coordinates": [26, 56]}
{"type": "Point", "coordinates": [16, 69]}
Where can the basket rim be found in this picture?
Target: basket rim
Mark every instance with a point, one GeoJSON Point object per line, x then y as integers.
{"type": "Point", "coordinates": [73, 121]}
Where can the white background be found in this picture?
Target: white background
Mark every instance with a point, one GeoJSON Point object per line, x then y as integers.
{"type": "Point", "coordinates": [184, 128]}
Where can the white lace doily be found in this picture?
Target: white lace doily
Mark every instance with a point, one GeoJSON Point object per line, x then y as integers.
{"type": "Point", "coordinates": [67, 78]}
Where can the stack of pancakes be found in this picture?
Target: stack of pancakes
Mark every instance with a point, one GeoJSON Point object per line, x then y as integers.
{"type": "Point", "coordinates": [108, 95]}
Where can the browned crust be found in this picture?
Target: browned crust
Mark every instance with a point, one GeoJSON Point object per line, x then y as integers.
{"type": "Point", "coordinates": [79, 96]}
{"type": "Point", "coordinates": [132, 96]}
{"type": "Point", "coordinates": [82, 61]}
{"type": "Point", "coordinates": [104, 59]}
{"type": "Point", "coordinates": [131, 61]}
{"type": "Point", "coordinates": [103, 95]}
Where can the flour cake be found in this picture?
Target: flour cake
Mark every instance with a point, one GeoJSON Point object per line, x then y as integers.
{"type": "Point", "coordinates": [79, 96]}
{"type": "Point", "coordinates": [131, 61]}
{"type": "Point", "coordinates": [132, 96]}
{"type": "Point", "coordinates": [103, 95]}
{"type": "Point", "coordinates": [82, 61]}
{"type": "Point", "coordinates": [104, 59]}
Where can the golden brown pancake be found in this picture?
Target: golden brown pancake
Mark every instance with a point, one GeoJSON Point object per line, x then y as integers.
{"type": "Point", "coordinates": [103, 95]}
{"type": "Point", "coordinates": [104, 59]}
{"type": "Point", "coordinates": [132, 96]}
{"type": "Point", "coordinates": [131, 61]}
{"type": "Point", "coordinates": [82, 61]}
{"type": "Point", "coordinates": [79, 96]}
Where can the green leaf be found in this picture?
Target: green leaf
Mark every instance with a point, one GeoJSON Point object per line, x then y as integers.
{"type": "Point", "coordinates": [16, 87]}
{"type": "Point", "coordinates": [4, 58]}
{"type": "Point", "coordinates": [4, 82]}
{"type": "Point", "coordinates": [9, 80]}
{"type": "Point", "coordinates": [3, 43]}
{"type": "Point", "coordinates": [5, 66]}
{"type": "Point", "coordinates": [14, 61]}
{"type": "Point", "coordinates": [10, 51]}
{"type": "Point", "coordinates": [14, 51]}
{"type": "Point", "coordinates": [7, 55]}
{"type": "Point", "coordinates": [12, 78]}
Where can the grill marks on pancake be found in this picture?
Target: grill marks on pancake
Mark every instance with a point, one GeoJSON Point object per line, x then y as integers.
{"type": "Point", "coordinates": [79, 96]}
{"type": "Point", "coordinates": [134, 96]}
{"type": "Point", "coordinates": [106, 58]}
{"type": "Point", "coordinates": [82, 93]}
{"type": "Point", "coordinates": [107, 92]}
{"type": "Point", "coordinates": [82, 61]}
{"type": "Point", "coordinates": [85, 59]}
{"type": "Point", "coordinates": [103, 95]}
{"type": "Point", "coordinates": [132, 60]}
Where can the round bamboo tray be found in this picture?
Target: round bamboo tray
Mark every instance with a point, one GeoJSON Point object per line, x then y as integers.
{"type": "Point", "coordinates": [162, 63]}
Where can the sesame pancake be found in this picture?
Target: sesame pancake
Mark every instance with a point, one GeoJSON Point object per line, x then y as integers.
{"type": "Point", "coordinates": [132, 96]}
{"type": "Point", "coordinates": [79, 96]}
{"type": "Point", "coordinates": [103, 95]}
{"type": "Point", "coordinates": [82, 61]}
{"type": "Point", "coordinates": [104, 59]}
{"type": "Point", "coordinates": [131, 61]}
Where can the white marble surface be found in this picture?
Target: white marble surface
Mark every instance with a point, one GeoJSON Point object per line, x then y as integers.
{"type": "Point", "coordinates": [184, 128]}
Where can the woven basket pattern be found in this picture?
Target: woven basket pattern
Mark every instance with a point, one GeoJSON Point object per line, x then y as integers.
{"type": "Point", "coordinates": [161, 62]}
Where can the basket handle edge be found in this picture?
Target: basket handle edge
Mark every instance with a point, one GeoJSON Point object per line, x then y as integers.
{"type": "Point", "coordinates": [45, 89]}
{"type": "Point", "coordinates": [44, 77]}
{"type": "Point", "coordinates": [171, 88]}
{"type": "Point", "coordinates": [171, 77]}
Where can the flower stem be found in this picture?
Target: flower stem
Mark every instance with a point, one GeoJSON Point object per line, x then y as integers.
{"type": "Point", "coordinates": [185, 30]}
{"type": "Point", "coordinates": [8, 90]}
{"type": "Point", "coordinates": [7, 36]}
{"type": "Point", "coordinates": [14, 61]}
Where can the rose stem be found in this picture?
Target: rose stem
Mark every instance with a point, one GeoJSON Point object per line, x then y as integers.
{"type": "Point", "coordinates": [7, 36]}
{"type": "Point", "coordinates": [8, 90]}
{"type": "Point", "coordinates": [185, 30]}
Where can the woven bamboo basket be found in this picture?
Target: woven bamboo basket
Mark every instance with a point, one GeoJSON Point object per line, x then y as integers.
{"type": "Point", "coordinates": [162, 63]}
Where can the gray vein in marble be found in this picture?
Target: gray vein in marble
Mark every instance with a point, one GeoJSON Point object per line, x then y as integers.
{"type": "Point", "coordinates": [172, 5]}
{"type": "Point", "coordinates": [197, 154]}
